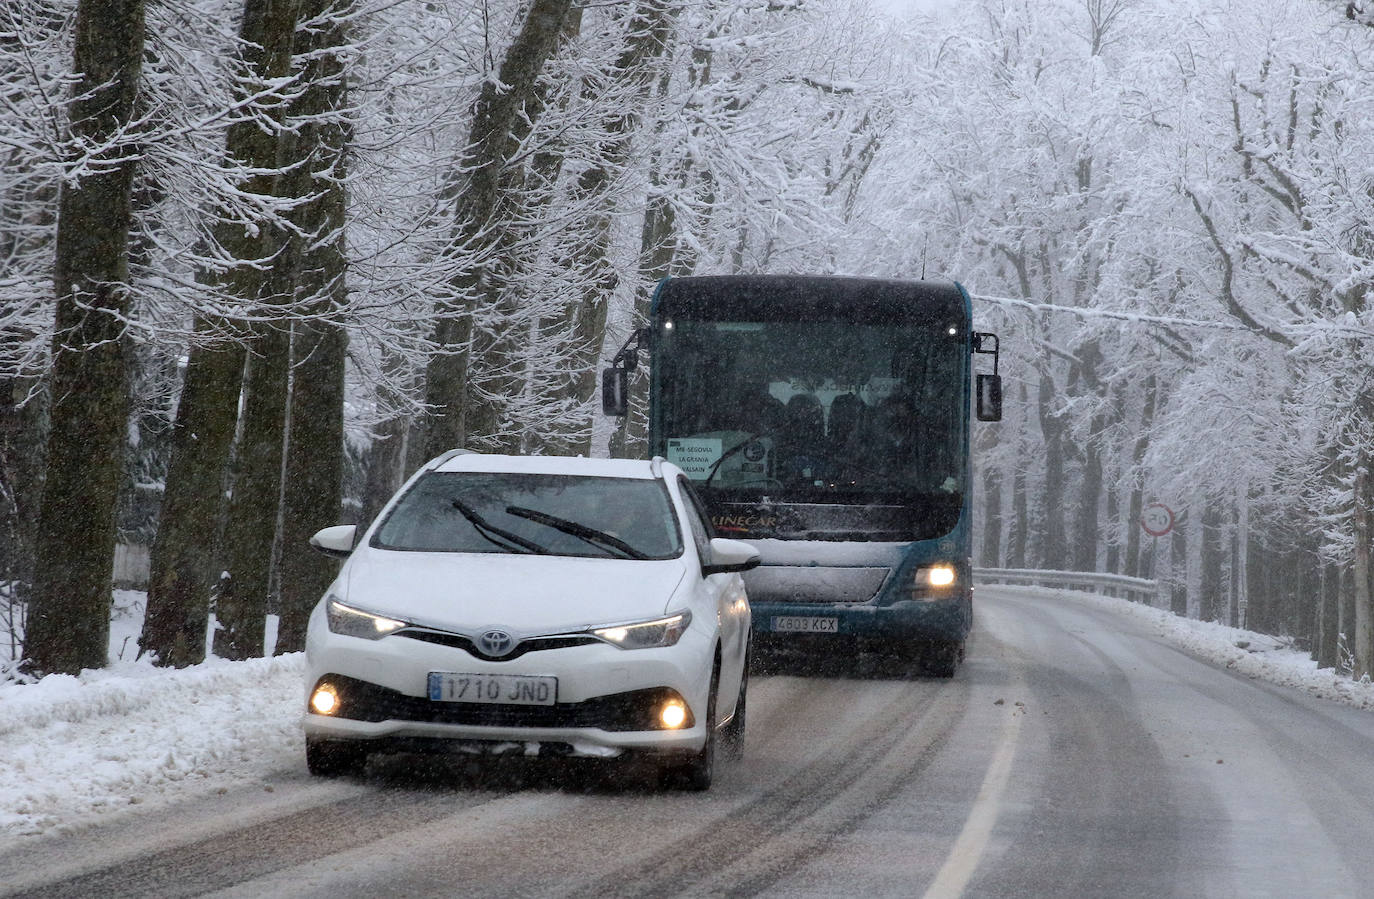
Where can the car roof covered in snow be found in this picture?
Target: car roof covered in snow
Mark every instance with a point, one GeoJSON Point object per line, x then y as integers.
{"type": "Point", "coordinates": [570, 465]}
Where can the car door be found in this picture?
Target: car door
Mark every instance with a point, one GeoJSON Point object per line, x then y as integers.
{"type": "Point", "coordinates": [726, 593]}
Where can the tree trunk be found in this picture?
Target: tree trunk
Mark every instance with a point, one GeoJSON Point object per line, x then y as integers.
{"type": "Point", "coordinates": [185, 556]}
{"type": "Point", "coordinates": [69, 623]}
{"type": "Point", "coordinates": [1196, 535]}
{"type": "Point", "coordinates": [1114, 490]}
{"type": "Point", "coordinates": [312, 496]}
{"type": "Point", "coordinates": [1362, 644]}
{"type": "Point", "coordinates": [313, 493]}
{"type": "Point", "coordinates": [992, 517]}
{"type": "Point", "coordinates": [1113, 563]}
{"type": "Point", "coordinates": [504, 114]}
{"type": "Point", "coordinates": [1137, 501]}
{"type": "Point", "coordinates": [1178, 564]}
{"type": "Point", "coordinates": [648, 35]}
{"type": "Point", "coordinates": [23, 423]}
{"type": "Point", "coordinates": [1328, 617]}
{"type": "Point", "coordinates": [1213, 604]}
{"type": "Point", "coordinates": [1086, 529]}
{"type": "Point", "coordinates": [1235, 589]}
{"type": "Point", "coordinates": [182, 567]}
{"type": "Point", "coordinates": [661, 254]}
{"type": "Point", "coordinates": [1020, 511]}
{"type": "Point", "coordinates": [495, 374]}
{"type": "Point", "coordinates": [1055, 550]}
{"type": "Point", "coordinates": [251, 530]}
{"type": "Point", "coordinates": [386, 464]}
{"type": "Point", "coordinates": [250, 534]}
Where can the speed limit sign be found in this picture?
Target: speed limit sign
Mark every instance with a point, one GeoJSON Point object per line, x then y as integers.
{"type": "Point", "coordinates": [1157, 520]}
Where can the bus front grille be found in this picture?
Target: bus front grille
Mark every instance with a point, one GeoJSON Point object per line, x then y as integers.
{"type": "Point", "coordinates": [814, 583]}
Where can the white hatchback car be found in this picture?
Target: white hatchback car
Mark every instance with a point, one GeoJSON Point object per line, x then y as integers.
{"type": "Point", "coordinates": [539, 605]}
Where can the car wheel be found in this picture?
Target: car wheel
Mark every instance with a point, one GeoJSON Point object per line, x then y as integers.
{"type": "Point", "coordinates": [335, 758]}
{"type": "Point", "coordinates": [699, 771]}
{"type": "Point", "coordinates": [942, 657]}
{"type": "Point", "coordinates": [732, 735]}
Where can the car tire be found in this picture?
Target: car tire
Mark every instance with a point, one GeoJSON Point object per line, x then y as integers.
{"type": "Point", "coordinates": [941, 658]}
{"type": "Point", "coordinates": [696, 775]}
{"type": "Point", "coordinates": [732, 735]}
{"type": "Point", "coordinates": [335, 758]}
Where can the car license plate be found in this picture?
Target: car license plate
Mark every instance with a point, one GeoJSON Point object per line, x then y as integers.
{"type": "Point", "coordinates": [508, 689]}
{"type": "Point", "coordinates": [806, 624]}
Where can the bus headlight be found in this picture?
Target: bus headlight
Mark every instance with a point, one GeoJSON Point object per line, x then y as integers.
{"type": "Point", "coordinates": [932, 581]}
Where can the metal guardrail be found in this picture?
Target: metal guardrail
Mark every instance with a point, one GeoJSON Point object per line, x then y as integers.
{"type": "Point", "coordinates": [1134, 589]}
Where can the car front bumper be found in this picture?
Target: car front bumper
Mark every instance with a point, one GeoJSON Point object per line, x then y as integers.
{"type": "Point", "coordinates": [606, 702]}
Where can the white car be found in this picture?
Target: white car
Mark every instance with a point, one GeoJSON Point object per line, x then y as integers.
{"type": "Point", "coordinates": [541, 605]}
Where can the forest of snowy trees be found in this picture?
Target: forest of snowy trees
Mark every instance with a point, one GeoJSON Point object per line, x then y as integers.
{"type": "Point", "coordinates": [260, 258]}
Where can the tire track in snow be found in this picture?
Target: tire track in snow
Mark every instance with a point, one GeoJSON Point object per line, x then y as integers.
{"type": "Point", "coordinates": [766, 839]}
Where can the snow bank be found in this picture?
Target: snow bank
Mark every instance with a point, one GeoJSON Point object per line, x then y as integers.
{"type": "Point", "coordinates": [1255, 655]}
{"type": "Point", "coordinates": [74, 749]}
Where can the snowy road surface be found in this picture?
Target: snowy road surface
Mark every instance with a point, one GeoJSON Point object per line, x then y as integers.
{"type": "Point", "coordinates": [1079, 752]}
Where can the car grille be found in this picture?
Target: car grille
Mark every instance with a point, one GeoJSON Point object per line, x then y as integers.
{"type": "Point", "coordinates": [458, 641]}
{"type": "Point", "coordinates": [629, 711]}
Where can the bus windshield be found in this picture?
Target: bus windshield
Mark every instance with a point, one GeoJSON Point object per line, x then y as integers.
{"type": "Point", "coordinates": [814, 411]}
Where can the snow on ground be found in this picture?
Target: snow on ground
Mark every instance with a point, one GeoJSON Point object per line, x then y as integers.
{"type": "Point", "coordinates": [80, 750]}
{"type": "Point", "coordinates": [1254, 655]}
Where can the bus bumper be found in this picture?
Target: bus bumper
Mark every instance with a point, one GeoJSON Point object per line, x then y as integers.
{"type": "Point", "coordinates": [945, 620]}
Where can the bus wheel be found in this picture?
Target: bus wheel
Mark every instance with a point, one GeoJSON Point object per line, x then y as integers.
{"type": "Point", "coordinates": [942, 657]}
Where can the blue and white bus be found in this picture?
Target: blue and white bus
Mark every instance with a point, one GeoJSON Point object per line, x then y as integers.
{"type": "Point", "coordinates": [826, 421]}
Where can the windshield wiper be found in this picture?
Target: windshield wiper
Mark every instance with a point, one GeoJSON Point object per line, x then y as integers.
{"type": "Point", "coordinates": [491, 532]}
{"type": "Point", "coordinates": [599, 539]}
{"type": "Point", "coordinates": [730, 452]}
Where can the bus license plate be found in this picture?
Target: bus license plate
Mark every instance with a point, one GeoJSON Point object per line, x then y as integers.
{"type": "Point", "coordinates": [507, 689]}
{"type": "Point", "coordinates": [805, 624]}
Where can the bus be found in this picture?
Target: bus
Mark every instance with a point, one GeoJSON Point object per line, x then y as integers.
{"type": "Point", "coordinates": [826, 421]}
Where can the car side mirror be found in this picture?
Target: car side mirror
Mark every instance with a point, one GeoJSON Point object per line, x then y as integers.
{"type": "Point", "coordinates": [729, 556]}
{"type": "Point", "coordinates": [336, 541]}
{"type": "Point", "coordinates": [989, 397]}
{"type": "Point", "coordinates": [615, 394]}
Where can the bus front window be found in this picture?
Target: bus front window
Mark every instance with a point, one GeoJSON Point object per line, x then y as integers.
{"type": "Point", "coordinates": [834, 411]}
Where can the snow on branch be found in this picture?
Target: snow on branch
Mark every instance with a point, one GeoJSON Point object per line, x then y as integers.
{"type": "Point", "coordinates": [1344, 328]}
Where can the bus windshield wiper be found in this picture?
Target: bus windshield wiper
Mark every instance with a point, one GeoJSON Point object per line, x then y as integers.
{"type": "Point", "coordinates": [599, 539]}
{"type": "Point", "coordinates": [491, 532]}
{"type": "Point", "coordinates": [715, 467]}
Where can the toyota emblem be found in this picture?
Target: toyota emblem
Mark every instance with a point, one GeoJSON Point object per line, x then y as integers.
{"type": "Point", "coordinates": [495, 642]}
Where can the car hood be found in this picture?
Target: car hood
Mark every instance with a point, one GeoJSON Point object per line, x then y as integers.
{"type": "Point", "coordinates": [528, 594]}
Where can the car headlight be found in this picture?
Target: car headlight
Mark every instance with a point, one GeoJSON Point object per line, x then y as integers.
{"type": "Point", "coordinates": [646, 634]}
{"type": "Point", "coordinates": [353, 622]}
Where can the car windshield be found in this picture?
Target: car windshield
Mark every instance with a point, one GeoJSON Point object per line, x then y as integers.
{"type": "Point", "coordinates": [553, 514]}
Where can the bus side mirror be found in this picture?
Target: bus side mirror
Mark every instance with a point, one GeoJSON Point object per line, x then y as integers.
{"type": "Point", "coordinates": [615, 381]}
{"type": "Point", "coordinates": [615, 395]}
{"type": "Point", "coordinates": [989, 397]}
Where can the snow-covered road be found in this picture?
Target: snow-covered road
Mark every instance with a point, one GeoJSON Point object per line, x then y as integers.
{"type": "Point", "coordinates": [1078, 750]}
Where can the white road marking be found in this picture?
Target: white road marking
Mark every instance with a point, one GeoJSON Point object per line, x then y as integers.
{"type": "Point", "coordinates": [963, 859]}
